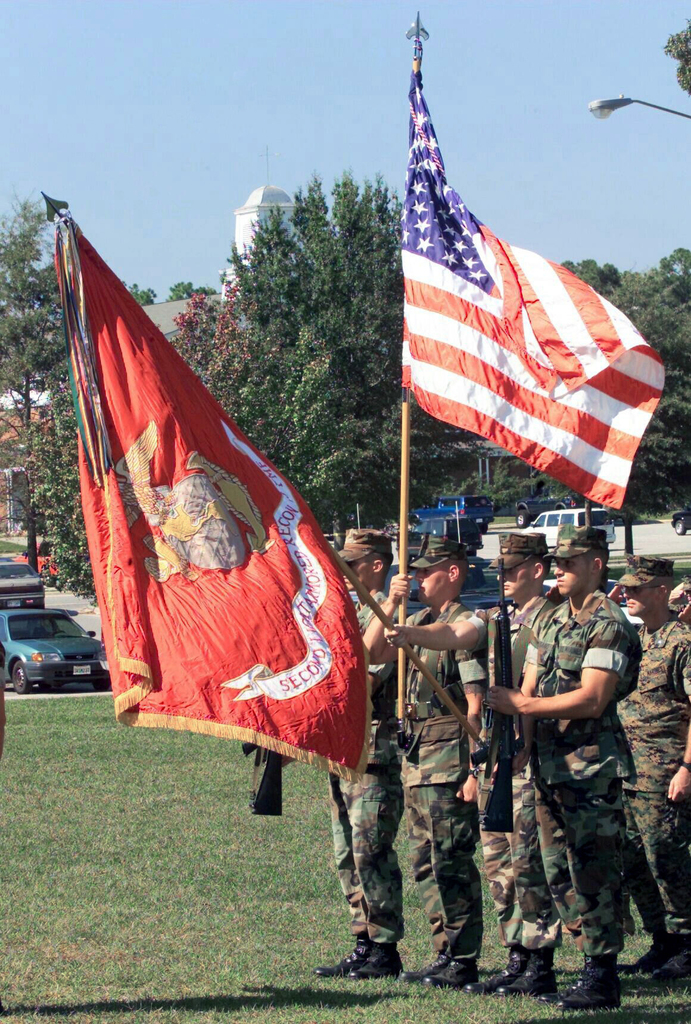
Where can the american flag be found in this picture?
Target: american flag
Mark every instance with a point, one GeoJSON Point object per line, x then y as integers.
{"type": "Point", "coordinates": [506, 344]}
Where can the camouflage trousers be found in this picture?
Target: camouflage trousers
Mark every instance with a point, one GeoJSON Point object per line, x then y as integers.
{"type": "Point", "coordinates": [365, 816]}
{"type": "Point", "coordinates": [443, 834]}
{"type": "Point", "coordinates": [581, 829]}
{"type": "Point", "coordinates": [657, 861]}
{"type": "Point", "coordinates": [527, 913]}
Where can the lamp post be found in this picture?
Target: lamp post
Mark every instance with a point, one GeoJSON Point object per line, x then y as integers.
{"type": "Point", "coordinates": [603, 108]}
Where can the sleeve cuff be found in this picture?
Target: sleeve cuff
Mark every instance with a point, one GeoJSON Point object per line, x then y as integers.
{"type": "Point", "coordinates": [609, 661]}
{"type": "Point", "coordinates": [531, 655]}
{"type": "Point", "coordinates": [481, 628]}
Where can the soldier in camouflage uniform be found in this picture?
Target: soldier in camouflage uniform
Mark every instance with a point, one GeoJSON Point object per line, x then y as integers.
{"type": "Point", "coordinates": [657, 719]}
{"type": "Point", "coordinates": [441, 812]}
{"type": "Point", "coordinates": [366, 814]}
{"type": "Point", "coordinates": [529, 923]}
{"type": "Point", "coordinates": [585, 660]}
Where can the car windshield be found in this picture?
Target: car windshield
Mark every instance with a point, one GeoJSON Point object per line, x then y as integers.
{"type": "Point", "coordinates": [15, 570]}
{"type": "Point", "coordinates": [598, 517]}
{"type": "Point", "coordinates": [43, 627]}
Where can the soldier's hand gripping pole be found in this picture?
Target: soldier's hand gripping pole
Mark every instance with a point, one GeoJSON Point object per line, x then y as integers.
{"type": "Point", "coordinates": [496, 792]}
{"type": "Point", "coordinates": [366, 598]}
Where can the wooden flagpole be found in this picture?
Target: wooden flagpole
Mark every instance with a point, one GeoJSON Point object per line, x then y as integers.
{"type": "Point", "coordinates": [366, 598]}
{"type": "Point", "coordinates": [403, 553]}
{"type": "Point", "coordinates": [417, 33]}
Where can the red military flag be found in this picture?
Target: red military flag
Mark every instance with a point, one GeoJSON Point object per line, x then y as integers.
{"type": "Point", "coordinates": [223, 612]}
{"type": "Point", "coordinates": [504, 343]}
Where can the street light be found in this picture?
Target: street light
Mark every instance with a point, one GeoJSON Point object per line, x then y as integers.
{"type": "Point", "coordinates": [603, 108]}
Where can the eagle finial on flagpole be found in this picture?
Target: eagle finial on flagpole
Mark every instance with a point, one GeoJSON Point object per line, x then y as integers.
{"type": "Point", "coordinates": [417, 32]}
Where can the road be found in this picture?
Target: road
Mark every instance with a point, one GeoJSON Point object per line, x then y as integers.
{"type": "Point", "coordinates": [648, 539]}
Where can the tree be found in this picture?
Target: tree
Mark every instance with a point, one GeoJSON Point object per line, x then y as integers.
{"type": "Point", "coordinates": [58, 491]}
{"type": "Point", "coordinates": [305, 354]}
{"type": "Point", "coordinates": [144, 296]}
{"type": "Point", "coordinates": [659, 304]}
{"type": "Point", "coordinates": [31, 346]}
{"type": "Point", "coordinates": [185, 290]}
{"type": "Point", "coordinates": [678, 47]}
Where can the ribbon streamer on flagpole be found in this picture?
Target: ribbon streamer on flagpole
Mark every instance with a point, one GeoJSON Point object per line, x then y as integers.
{"type": "Point", "coordinates": [80, 350]}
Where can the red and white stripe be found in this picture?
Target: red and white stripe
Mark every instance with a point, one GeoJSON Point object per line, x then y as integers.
{"type": "Point", "coordinates": [544, 367]}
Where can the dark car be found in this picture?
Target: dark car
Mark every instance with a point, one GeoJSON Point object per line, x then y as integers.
{"type": "Point", "coordinates": [472, 506]}
{"type": "Point", "coordinates": [47, 646]}
{"type": "Point", "coordinates": [480, 589]}
{"type": "Point", "coordinates": [428, 521]}
{"type": "Point", "coordinates": [681, 521]}
{"type": "Point", "coordinates": [528, 508]}
{"type": "Point", "coordinates": [20, 586]}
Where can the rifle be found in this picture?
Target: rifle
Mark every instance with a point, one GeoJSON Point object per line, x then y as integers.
{"type": "Point", "coordinates": [495, 802]}
{"type": "Point", "coordinates": [266, 796]}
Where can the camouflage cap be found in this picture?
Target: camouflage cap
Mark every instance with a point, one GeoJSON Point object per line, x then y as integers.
{"type": "Point", "coordinates": [576, 540]}
{"type": "Point", "coordinates": [438, 549]}
{"type": "Point", "coordinates": [641, 570]}
{"type": "Point", "coordinates": [516, 548]}
{"type": "Point", "coordinates": [359, 543]}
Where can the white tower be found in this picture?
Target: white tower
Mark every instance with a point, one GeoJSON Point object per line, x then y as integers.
{"type": "Point", "coordinates": [257, 210]}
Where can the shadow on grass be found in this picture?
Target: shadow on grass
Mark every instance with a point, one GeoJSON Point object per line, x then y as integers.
{"type": "Point", "coordinates": [629, 1011]}
{"type": "Point", "coordinates": [259, 998]}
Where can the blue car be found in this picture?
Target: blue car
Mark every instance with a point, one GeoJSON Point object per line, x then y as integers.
{"type": "Point", "coordinates": [47, 646]}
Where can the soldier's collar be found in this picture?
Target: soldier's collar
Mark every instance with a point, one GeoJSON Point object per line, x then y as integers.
{"type": "Point", "coordinates": [531, 605]}
{"type": "Point", "coordinates": [659, 636]}
{"type": "Point", "coordinates": [591, 604]}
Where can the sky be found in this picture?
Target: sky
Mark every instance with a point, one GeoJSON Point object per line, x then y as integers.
{"type": "Point", "coordinates": [152, 118]}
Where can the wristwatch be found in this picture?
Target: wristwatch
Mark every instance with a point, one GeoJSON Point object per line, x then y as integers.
{"type": "Point", "coordinates": [686, 764]}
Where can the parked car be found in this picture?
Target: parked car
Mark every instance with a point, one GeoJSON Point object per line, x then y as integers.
{"type": "Point", "coordinates": [20, 587]}
{"type": "Point", "coordinates": [45, 563]}
{"type": "Point", "coordinates": [549, 523]}
{"type": "Point", "coordinates": [437, 525]}
{"type": "Point", "coordinates": [480, 589]}
{"type": "Point", "coordinates": [49, 647]}
{"type": "Point", "coordinates": [549, 584]}
{"type": "Point", "coordinates": [528, 508]}
{"type": "Point", "coordinates": [472, 506]}
{"type": "Point", "coordinates": [681, 521]}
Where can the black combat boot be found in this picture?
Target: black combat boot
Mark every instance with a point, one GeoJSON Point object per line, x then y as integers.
{"type": "Point", "coordinates": [383, 962]}
{"type": "Point", "coordinates": [357, 958]}
{"type": "Point", "coordinates": [679, 963]}
{"type": "Point", "coordinates": [518, 961]}
{"type": "Point", "coordinates": [442, 961]}
{"type": "Point", "coordinates": [663, 948]}
{"type": "Point", "coordinates": [461, 971]}
{"type": "Point", "coordinates": [536, 980]}
{"type": "Point", "coordinates": [596, 989]}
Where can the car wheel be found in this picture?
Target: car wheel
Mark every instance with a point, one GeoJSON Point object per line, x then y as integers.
{"type": "Point", "coordinates": [484, 527]}
{"type": "Point", "coordinates": [20, 680]}
{"type": "Point", "coordinates": [680, 527]}
{"type": "Point", "coordinates": [560, 505]}
{"type": "Point", "coordinates": [522, 519]}
{"type": "Point", "coordinates": [100, 685]}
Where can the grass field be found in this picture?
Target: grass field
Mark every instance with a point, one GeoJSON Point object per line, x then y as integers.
{"type": "Point", "coordinates": [8, 547]}
{"type": "Point", "coordinates": [137, 887]}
